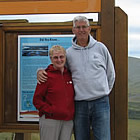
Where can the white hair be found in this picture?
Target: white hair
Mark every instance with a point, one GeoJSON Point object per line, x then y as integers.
{"type": "Point", "coordinates": [80, 18]}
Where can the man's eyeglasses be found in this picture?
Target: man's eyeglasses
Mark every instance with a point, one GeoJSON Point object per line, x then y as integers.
{"type": "Point", "coordinates": [79, 27]}
{"type": "Point", "coordinates": [58, 57]}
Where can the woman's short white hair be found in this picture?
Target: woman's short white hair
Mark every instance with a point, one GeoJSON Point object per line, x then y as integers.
{"type": "Point", "coordinates": [56, 48]}
{"type": "Point", "coordinates": [80, 18]}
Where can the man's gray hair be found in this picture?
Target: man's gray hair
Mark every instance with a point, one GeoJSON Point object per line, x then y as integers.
{"type": "Point", "coordinates": [80, 18]}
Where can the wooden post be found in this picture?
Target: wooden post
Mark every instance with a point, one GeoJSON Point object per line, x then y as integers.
{"type": "Point", "coordinates": [121, 63]}
{"type": "Point", "coordinates": [19, 136]}
{"type": "Point", "coordinates": [107, 37]}
{"type": "Point", "coordinates": [23, 136]}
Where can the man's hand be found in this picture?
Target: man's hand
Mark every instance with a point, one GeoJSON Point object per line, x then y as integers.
{"type": "Point", "coordinates": [41, 76]}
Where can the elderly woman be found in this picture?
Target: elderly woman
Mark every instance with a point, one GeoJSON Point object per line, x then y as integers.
{"type": "Point", "coordinates": [54, 99]}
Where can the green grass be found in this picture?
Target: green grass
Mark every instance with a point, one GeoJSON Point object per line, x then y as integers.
{"type": "Point", "coordinates": [6, 136]}
{"type": "Point", "coordinates": [35, 136]}
{"type": "Point", "coordinates": [133, 129]}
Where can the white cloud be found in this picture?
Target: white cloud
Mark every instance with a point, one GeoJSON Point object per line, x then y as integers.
{"type": "Point", "coordinates": [134, 37]}
{"type": "Point", "coordinates": [132, 9]}
{"type": "Point", "coordinates": [50, 17]}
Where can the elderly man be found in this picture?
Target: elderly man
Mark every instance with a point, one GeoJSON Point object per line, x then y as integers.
{"type": "Point", "coordinates": [93, 76]}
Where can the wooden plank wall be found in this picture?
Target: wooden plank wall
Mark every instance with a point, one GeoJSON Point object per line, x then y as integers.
{"type": "Point", "coordinates": [9, 35]}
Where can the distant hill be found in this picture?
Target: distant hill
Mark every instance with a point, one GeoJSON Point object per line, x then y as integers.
{"type": "Point", "coordinates": [133, 75]}
{"type": "Point", "coordinates": [134, 87]}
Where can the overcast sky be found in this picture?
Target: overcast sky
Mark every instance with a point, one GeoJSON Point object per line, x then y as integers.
{"type": "Point", "coordinates": [130, 7]}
